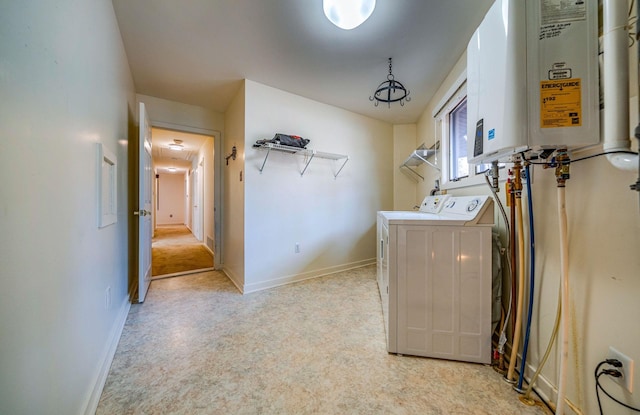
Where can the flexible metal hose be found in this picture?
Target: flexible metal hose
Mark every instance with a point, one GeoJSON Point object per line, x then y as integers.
{"type": "Point", "coordinates": [518, 322]}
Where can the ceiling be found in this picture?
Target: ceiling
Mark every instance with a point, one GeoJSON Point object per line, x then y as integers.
{"type": "Point", "coordinates": [164, 158]}
{"type": "Point", "coordinates": [198, 51]}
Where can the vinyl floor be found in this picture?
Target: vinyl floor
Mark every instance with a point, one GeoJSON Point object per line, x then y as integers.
{"type": "Point", "coordinates": [198, 346]}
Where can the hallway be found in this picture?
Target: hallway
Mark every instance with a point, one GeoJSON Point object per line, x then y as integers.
{"type": "Point", "coordinates": [197, 346]}
{"type": "Point", "coordinates": [175, 250]}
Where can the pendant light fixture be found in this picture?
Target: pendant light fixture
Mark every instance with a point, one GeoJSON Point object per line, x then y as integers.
{"type": "Point", "coordinates": [348, 14]}
{"type": "Point", "coordinates": [390, 91]}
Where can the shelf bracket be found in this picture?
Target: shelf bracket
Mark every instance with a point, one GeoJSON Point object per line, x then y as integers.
{"type": "Point", "coordinates": [335, 176]}
{"type": "Point", "coordinates": [265, 159]}
{"type": "Point", "coordinates": [413, 171]}
{"type": "Point", "coordinates": [308, 162]}
{"type": "Point", "coordinates": [425, 161]}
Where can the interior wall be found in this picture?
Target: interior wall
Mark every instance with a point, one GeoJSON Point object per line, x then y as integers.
{"type": "Point", "coordinates": [65, 87]}
{"type": "Point", "coordinates": [171, 199]}
{"type": "Point", "coordinates": [233, 235]}
{"type": "Point", "coordinates": [604, 241]}
{"type": "Point", "coordinates": [404, 182]}
{"type": "Point", "coordinates": [182, 117]}
{"type": "Point", "coordinates": [426, 129]}
{"type": "Point", "coordinates": [332, 220]}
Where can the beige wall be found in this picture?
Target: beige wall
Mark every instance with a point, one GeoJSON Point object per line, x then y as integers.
{"type": "Point", "coordinates": [233, 234]}
{"type": "Point", "coordinates": [404, 182]}
{"type": "Point", "coordinates": [171, 199]}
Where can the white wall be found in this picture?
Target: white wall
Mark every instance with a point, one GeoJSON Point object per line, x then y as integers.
{"type": "Point", "coordinates": [171, 199]}
{"type": "Point", "coordinates": [182, 117]}
{"type": "Point", "coordinates": [65, 86]}
{"type": "Point", "coordinates": [604, 241]}
{"type": "Point", "coordinates": [332, 220]}
{"type": "Point", "coordinates": [404, 182]}
{"type": "Point", "coordinates": [233, 235]}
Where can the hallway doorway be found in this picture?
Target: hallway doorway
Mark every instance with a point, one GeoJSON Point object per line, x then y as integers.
{"type": "Point", "coordinates": [176, 251]}
{"type": "Point", "coordinates": [185, 202]}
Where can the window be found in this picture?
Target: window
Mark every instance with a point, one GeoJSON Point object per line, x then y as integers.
{"type": "Point", "coordinates": [451, 130]}
{"type": "Point", "coordinates": [458, 166]}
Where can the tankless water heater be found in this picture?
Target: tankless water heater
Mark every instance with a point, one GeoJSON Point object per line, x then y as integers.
{"type": "Point", "coordinates": [532, 78]}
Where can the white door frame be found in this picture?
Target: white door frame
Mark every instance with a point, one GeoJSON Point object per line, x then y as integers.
{"type": "Point", "coordinates": [145, 211]}
{"type": "Point", "coordinates": [196, 204]}
{"type": "Point", "coordinates": [218, 181]}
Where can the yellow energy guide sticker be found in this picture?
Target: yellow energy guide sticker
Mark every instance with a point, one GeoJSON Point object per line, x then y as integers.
{"type": "Point", "coordinates": [561, 103]}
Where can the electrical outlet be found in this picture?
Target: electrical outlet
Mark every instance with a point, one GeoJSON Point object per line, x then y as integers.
{"type": "Point", "coordinates": [626, 380]}
{"type": "Point", "coordinates": [297, 248]}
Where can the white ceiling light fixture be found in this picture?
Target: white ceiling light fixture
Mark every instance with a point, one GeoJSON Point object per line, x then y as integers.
{"type": "Point", "coordinates": [176, 145]}
{"type": "Point", "coordinates": [348, 14]}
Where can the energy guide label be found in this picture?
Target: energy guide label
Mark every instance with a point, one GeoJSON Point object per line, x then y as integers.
{"type": "Point", "coordinates": [560, 103]}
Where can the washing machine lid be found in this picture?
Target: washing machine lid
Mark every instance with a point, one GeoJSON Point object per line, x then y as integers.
{"type": "Point", "coordinates": [454, 211]}
{"type": "Point", "coordinates": [472, 210]}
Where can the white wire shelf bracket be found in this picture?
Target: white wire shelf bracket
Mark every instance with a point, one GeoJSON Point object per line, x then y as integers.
{"type": "Point", "coordinates": [420, 156]}
{"type": "Point", "coordinates": [306, 152]}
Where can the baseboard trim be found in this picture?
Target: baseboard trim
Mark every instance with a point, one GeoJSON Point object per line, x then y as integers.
{"type": "Point", "coordinates": [91, 403]}
{"type": "Point", "coordinates": [289, 279]}
{"type": "Point", "coordinates": [232, 278]}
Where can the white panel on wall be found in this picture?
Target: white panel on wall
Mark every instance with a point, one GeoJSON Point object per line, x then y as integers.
{"type": "Point", "coordinates": [106, 186]}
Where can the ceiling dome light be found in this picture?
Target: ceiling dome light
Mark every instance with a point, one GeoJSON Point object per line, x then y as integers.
{"type": "Point", "coordinates": [348, 14]}
{"type": "Point", "coordinates": [176, 145]}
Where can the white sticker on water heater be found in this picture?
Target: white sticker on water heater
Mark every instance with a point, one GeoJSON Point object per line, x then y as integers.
{"type": "Point", "coordinates": [555, 11]}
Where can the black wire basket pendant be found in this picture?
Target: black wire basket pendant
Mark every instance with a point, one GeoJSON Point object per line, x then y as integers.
{"type": "Point", "coordinates": [390, 91]}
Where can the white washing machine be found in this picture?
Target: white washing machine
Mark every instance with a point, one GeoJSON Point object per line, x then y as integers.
{"type": "Point", "coordinates": [434, 277]}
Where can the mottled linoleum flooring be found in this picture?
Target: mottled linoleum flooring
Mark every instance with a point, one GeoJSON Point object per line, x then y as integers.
{"type": "Point", "coordinates": [197, 346]}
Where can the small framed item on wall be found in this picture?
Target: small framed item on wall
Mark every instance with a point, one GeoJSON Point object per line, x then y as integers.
{"type": "Point", "coordinates": [106, 184]}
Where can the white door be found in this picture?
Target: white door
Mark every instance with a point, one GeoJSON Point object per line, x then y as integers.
{"type": "Point", "coordinates": [196, 199]}
{"type": "Point", "coordinates": [145, 211]}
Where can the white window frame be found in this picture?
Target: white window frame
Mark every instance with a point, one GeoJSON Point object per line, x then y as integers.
{"type": "Point", "coordinates": [454, 97]}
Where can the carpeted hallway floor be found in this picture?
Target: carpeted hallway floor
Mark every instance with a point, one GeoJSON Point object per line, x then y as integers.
{"type": "Point", "coordinates": [198, 346]}
{"type": "Point", "coordinates": [174, 250]}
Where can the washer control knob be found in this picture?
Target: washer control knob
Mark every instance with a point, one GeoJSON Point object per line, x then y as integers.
{"type": "Point", "coordinates": [473, 205]}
